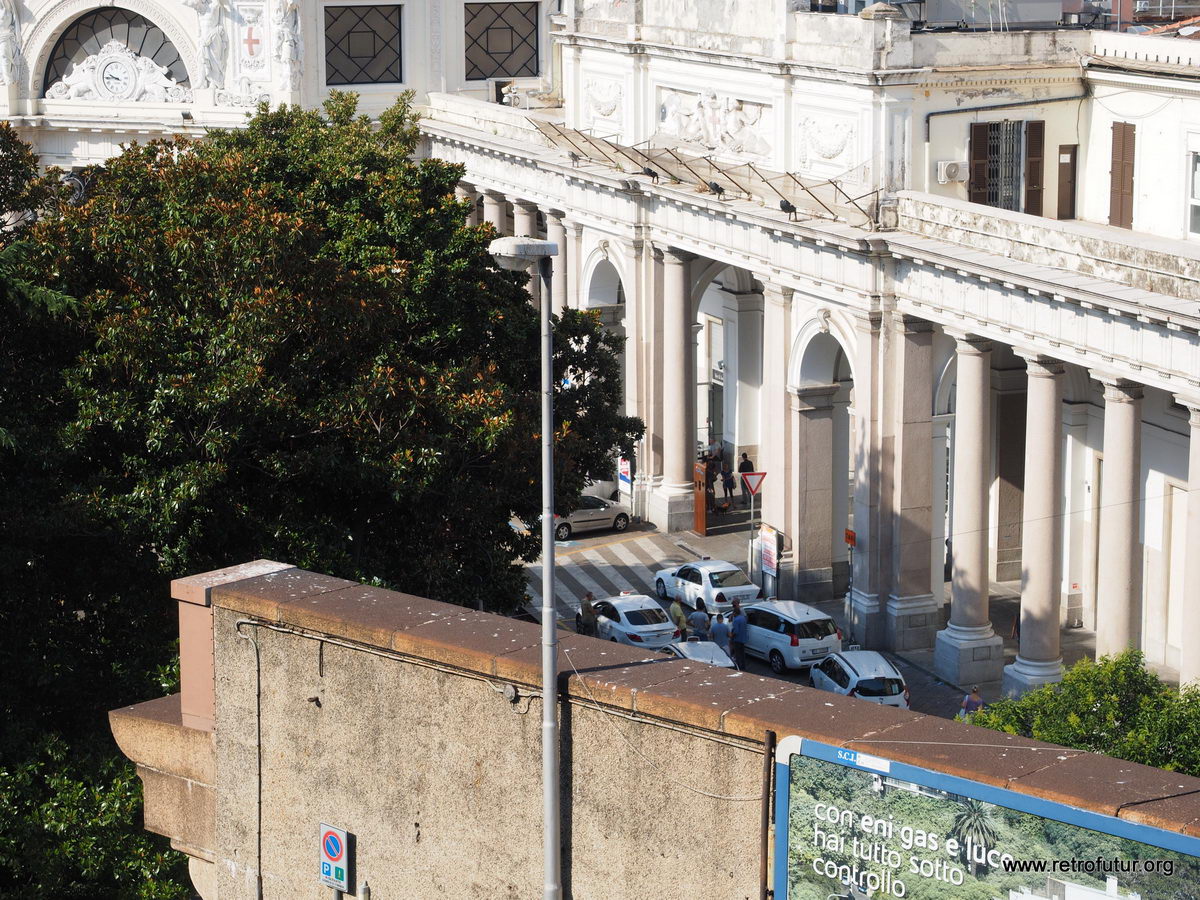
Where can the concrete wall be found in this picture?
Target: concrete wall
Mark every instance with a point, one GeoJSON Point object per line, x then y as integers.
{"type": "Point", "coordinates": [384, 714]}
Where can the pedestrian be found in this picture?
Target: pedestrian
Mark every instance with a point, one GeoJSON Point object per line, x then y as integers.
{"type": "Point", "coordinates": [727, 481]}
{"type": "Point", "coordinates": [698, 622]}
{"type": "Point", "coordinates": [971, 703]}
{"type": "Point", "coordinates": [587, 616]}
{"type": "Point", "coordinates": [715, 450]}
{"type": "Point", "coordinates": [719, 633]}
{"type": "Point", "coordinates": [738, 633]}
{"type": "Point", "coordinates": [745, 466]}
{"type": "Point", "coordinates": [679, 618]}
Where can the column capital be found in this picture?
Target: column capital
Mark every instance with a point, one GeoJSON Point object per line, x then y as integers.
{"type": "Point", "coordinates": [1192, 404]}
{"type": "Point", "coordinates": [498, 196]}
{"type": "Point", "coordinates": [1039, 366]}
{"type": "Point", "coordinates": [557, 214]}
{"type": "Point", "coordinates": [966, 342]}
{"type": "Point", "coordinates": [812, 396]}
{"type": "Point", "coordinates": [906, 324]}
{"type": "Point", "coordinates": [466, 187]}
{"type": "Point", "coordinates": [1118, 390]}
{"type": "Point", "coordinates": [673, 256]}
{"type": "Point", "coordinates": [777, 293]}
{"type": "Point", "coordinates": [525, 205]}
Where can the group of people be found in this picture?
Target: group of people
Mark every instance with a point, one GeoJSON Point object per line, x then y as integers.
{"type": "Point", "coordinates": [717, 468]}
{"type": "Point", "coordinates": [729, 635]}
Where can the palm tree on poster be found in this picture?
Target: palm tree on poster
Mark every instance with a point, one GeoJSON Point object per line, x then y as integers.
{"type": "Point", "coordinates": [973, 825]}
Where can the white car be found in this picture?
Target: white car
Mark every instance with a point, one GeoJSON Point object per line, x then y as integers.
{"type": "Point", "coordinates": [634, 619]}
{"type": "Point", "coordinates": [714, 581]}
{"type": "Point", "coordinates": [699, 651]}
{"type": "Point", "coordinates": [592, 514]}
{"type": "Point", "coordinates": [864, 674]}
{"type": "Point", "coordinates": [789, 634]}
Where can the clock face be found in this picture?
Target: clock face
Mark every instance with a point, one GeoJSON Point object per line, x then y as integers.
{"type": "Point", "coordinates": [117, 78]}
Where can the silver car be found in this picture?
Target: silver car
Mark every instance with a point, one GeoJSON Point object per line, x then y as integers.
{"type": "Point", "coordinates": [592, 515]}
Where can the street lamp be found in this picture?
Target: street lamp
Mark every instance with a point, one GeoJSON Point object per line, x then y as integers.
{"type": "Point", "coordinates": [517, 254]}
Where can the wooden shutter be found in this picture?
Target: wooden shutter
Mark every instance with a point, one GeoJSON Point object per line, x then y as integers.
{"type": "Point", "coordinates": [1120, 195]}
{"type": "Point", "coordinates": [1035, 166]}
{"type": "Point", "coordinates": [977, 190]}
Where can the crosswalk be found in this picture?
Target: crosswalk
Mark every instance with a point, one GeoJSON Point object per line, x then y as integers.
{"type": "Point", "coordinates": [623, 564]}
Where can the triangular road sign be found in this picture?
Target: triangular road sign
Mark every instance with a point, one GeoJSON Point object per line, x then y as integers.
{"type": "Point", "coordinates": [753, 480]}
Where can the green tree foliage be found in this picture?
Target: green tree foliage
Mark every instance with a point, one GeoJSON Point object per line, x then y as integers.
{"type": "Point", "coordinates": [285, 343]}
{"type": "Point", "coordinates": [1113, 706]}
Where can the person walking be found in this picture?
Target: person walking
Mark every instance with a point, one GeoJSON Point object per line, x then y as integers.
{"type": "Point", "coordinates": [698, 622]}
{"type": "Point", "coordinates": [719, 633]}
{"type": "Point", "coordinates": [679, 618]}
{"type": "Point", "coordinates": [738, 633]}
{"type": "Point", "coordinates": [727, 482]}
{"type": "Point", "coordinates": [587, 616]}
{"type": "Point", "coordinates": [971, 703]}
{"type": "Point", "coordinates": [746, 465]}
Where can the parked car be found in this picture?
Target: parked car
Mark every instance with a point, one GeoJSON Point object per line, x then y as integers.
{"type": "Point", "coordinates": [593, 514]}
{"type": "Point", "coordinates": [789, 634]}
{"type": "Point", "coordinates": [699, 651]}
{"type": "Point", "coordinates": [634, 619]}
{"type": "Point", "coordinates": [716, 582]}
{"type": "Point", "coordinates": [864, 674]}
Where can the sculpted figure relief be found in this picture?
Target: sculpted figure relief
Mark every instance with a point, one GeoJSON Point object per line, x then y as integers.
{"type": "Point", "coordinates": [724, 124]}
{"type": "Point", "coordinates": [10, 43]}
{"type": "Point", "coordinates": [287, 43]}
{"type": "Point", "coordinates": [214, 43]}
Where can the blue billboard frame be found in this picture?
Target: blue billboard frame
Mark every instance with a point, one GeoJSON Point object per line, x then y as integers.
{"type": "Point", "coordinates": [879, 765]}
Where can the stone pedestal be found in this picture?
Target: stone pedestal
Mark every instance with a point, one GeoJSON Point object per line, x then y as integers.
{"type": "Point", "coordinates": [670, 508]}
{"type": "Point", "coordinates": [912, 622]}
{"type": "Point", "coordinates": [865, 619]}
{"type": "Point", "coordinates": [966, 655]}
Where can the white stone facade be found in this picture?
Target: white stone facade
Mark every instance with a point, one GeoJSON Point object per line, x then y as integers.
{"type": "Point", "coordinates": [900, 355]}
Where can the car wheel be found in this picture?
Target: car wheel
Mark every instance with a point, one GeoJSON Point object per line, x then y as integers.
{"type": "Point", "coordinates": [778, 666]}
{"type": "Point", "coordinates": [614, 640]}
{"type": "Point", "coordinates": [621, 522]}
{"type": "Point", "coordinates": [660, 589]}
{"type": "Point", "coordinates": [562, 532]}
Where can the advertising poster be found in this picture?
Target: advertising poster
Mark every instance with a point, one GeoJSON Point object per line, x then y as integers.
{"type": "Point", "coordinates": [768, 543]}
{"type": "Point", "coordinates": [851, 826]}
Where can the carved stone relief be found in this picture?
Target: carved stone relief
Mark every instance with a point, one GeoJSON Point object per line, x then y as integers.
{"type": "Point", "coordinates": [289, 49]}
{"type": "Point", "coordinates": [825, 140]}
{"type": "Point", "coordinates": [251, 37]}
{"type": "Point", "coordinates": [718, 123]}
{"type": "Point", "coordinates": [604, 99]}
{"type": "Point", "coordinates": [10, 44]}
{"type": "Point", "coordinates": [116, 73]}
{"type": "Point", "coordinates": [214, 42]}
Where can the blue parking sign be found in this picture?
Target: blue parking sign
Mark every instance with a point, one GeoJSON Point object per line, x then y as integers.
{"type": "Point", "coordinates": [335, 858]}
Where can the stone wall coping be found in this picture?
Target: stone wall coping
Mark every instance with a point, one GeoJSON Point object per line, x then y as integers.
{"type": "Point", "coordinates": [152, 734]}
{"type": "Point", "coordinates": [708, 699]}
{"type": "Point", "coordinates": [198, 588]}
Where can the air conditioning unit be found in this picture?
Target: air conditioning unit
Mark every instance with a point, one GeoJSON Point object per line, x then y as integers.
{"type": "Point", "coordinates": [952, 170]}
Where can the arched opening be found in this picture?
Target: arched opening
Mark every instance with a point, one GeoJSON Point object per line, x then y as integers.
{"type": "Point", "coordinates": [108, 53]}
{"type": "Point", "coordinates": [606, 295]}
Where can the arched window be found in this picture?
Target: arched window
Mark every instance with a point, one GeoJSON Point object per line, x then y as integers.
{"type": "Point", "coordinates": [88, 34]}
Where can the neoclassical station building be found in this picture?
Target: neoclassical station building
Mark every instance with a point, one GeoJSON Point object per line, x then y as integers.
{"type": "Point", "coordinates": [941, 284]}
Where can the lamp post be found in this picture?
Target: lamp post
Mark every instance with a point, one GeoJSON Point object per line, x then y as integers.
{"type": "Point", "coordinates": [517, 254]}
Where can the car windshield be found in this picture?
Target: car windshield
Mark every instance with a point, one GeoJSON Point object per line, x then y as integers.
{"type": "Point", "coordinates": [814, 629]}
{"type": "Point", "coordinates": [880, 687]}
{"type": "Point", "coordinates": [732, 578]}
{"type": "Point", "coordinates": [645, 617]}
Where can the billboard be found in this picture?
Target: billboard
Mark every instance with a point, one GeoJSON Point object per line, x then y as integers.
{"type": "Point", "coordinates": [851, 825]}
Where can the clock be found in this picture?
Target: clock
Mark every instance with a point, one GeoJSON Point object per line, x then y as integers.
{"type": "Point", "coordinates": [116, 79]}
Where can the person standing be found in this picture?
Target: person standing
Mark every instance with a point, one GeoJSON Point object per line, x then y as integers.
{"type": "Point", "coordinates": [698, 621]}
{"type": "Point", "coordinates": [719, 633]}
{"type": "Point", "coordinates": [738, 633]}
{"type": "Point", "coordinates": [971, 703]}
{"type": "Point", "coordinates": [743, 467]}
{"type": "Point", "coordinates": [727, 482]}
{"type": "Point", "coordinates": [587, 615]}
{"type": "Point", "coordinates": [679, 618]}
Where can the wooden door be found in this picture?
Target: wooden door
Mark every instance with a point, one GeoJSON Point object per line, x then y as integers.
{"type": "Point", "coordinates": [1068, 156]}
{"type": "Point", "coordinates": [1120, 197]}
{"type": "Point", "coordinates": [1035, 166]}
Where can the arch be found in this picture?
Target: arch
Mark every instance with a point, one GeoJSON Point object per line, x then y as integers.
{"type": "Point", "coordinates": [604, 285]}
{"type": "Point", "coordinates": [816, 349]}
{"type": "Point", "coordinates": [732, 278]}
{"type": "Point", "coordinates": [943, 389]}
{"type": "Point", "coordinates": [44, 36]}
{"type": "Point", "coordinates": [89, 33]}
{"type": "Point", "coordinates": [600, 255]}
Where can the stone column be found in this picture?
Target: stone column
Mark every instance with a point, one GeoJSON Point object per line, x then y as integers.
{"type": "Point", "coordinates": [1189, 642]}
{"type": "Point", "coordinates": [912, 612]}
{"type": "Point", "coordinates": [811, 522]}
{"type": "Point", "coordinates": [1119, 569]}
{"type": "Point", "coordinates": [495, 211]}
{"type": "Point", "coordinates": [1039, 658]}
{"type": "Point", "coordinates": [774, 455]}
{"type": "Point", "coordinates": [556, 230]}
{"type": "Point", "coordinates": [672, 507]}
{"type": "Point", "coordinates": [466, 193]}
{"type": "Point", "coordinates": [872, 554]}
{"type": "Point", "coordinates": [967, 650]}
{"type": "Point", "coordinates": [748, 385]}
{"type": "Point", "coordinates": [525, 225]}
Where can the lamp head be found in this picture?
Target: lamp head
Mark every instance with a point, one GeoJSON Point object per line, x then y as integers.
{"type": "Point", "coordinates": [517, 253]}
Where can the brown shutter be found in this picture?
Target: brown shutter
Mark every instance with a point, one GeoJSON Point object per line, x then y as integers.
{"type": "Point", "coordinates": [1035, 162]}
{"type": "Point", "coordinates": [1120, 195]}
{"type": "Point", "coordinates": [978, 187]}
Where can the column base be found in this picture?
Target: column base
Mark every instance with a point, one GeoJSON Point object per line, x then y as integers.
{"type": "Point", "coordinates": [670, 507]}
{"type": "Point", "coordinates": [966, 655]}
{"type": "Point", "coordinates": [865, 619]}
{"type": "Point", "coordinates": [1026, 675]}
{"type": "Point", "coordinates": [912, 622]}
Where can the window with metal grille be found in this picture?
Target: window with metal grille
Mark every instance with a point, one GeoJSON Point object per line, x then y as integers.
{"type": "Point", "coordinates": [1006, 160]}
{"type": "Point", "coordinates": [90, 32]}
{"type": "Point", "coordinates": [362, 45]}
{"type": "Point", "coordinates": [501, 40]}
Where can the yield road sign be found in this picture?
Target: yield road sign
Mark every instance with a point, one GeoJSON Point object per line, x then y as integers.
{"type": "Point", "coordinates": [753, 481]}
